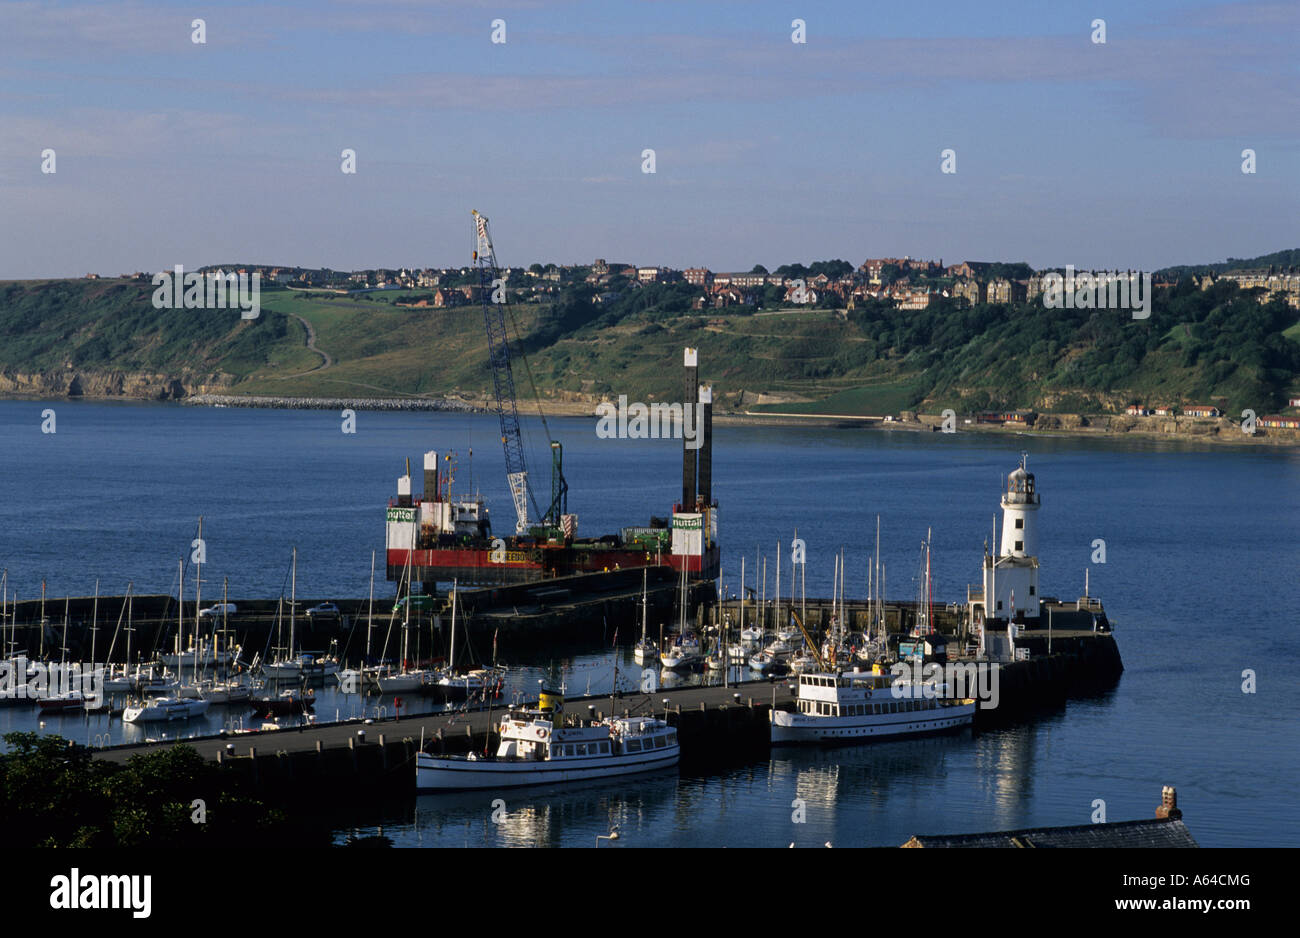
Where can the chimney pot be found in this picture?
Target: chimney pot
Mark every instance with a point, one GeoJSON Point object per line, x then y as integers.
{"type": "Point", "coordinates": [1169, 804]}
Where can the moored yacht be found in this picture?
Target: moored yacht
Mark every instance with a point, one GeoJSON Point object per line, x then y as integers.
{"type": "Point", "coordinates": [834, 707]}
{"type": "Point", "coordinates": [536, 748]}
{"type": "Point", "coordinates": [164, 709]}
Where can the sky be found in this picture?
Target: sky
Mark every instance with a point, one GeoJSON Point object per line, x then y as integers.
{"type": "Point", "coordinates": [1120, 155]}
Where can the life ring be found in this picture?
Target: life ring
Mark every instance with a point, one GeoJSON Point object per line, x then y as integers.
{"type": "Point", "coordinates": [543, 733]}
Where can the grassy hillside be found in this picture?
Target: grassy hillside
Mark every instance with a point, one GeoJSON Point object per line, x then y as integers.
{"type": "Point", "coordinates": [1219, 345]}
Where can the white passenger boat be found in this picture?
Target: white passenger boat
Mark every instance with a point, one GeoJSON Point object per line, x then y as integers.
{"type": "Point", "coordinates": [856, 706]}
{"type": "Point", "coordinates": [536, 748]}
{"type": "Point", "coordinates": [164, 709]}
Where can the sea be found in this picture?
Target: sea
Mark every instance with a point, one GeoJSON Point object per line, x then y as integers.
{"type": "Point", "coordinates": [1193, 547]}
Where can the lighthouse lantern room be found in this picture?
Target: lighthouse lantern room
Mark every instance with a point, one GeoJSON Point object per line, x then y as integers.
{"type": "Point", "coordinates": [1011, 577]}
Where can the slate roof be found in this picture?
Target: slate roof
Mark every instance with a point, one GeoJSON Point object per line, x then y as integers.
{"type": "Point", "coordinates": [1156, 832]}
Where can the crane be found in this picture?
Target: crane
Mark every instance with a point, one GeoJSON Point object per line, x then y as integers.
{"type": "Point", "coordinates": [492, 297]}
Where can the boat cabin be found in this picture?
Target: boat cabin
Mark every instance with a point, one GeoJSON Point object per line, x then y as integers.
{"type": "Point", "coordinates": [531, 734]}
{"type": "Point", "coordinates": [859, 694]}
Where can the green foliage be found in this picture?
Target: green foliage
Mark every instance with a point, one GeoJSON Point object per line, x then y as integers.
{"type": "Point", "coordinates": [53, 793]}
{"type": "Point", "coordinates": [1278, 259]}
{"type": "Point", "coordinates": [1217, 345]}
{"type": "Point", "coordinates": [52, 325]}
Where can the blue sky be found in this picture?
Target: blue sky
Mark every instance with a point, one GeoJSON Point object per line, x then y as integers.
{"type": "Point", "coordinates": [1122, 155]}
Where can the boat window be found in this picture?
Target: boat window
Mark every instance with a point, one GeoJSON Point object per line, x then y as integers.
{"type": "Point", "coordinates": [604, 748]}
{"type": "Point", "coordinates": [659, 742]}
{"type": "Point", "coordinates": [672, 737]}
{"type": "Point", "coordinates": [581, 749]}
{"type": "Point", "coordinates": [632, 745]}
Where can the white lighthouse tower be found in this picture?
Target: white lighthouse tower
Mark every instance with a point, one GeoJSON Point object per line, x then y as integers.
{"type": "Point", "coordinates": [1011, 578]}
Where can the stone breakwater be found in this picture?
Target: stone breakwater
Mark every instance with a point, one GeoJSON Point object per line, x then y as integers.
{"type": "Point", "coordinates": [331, 403]}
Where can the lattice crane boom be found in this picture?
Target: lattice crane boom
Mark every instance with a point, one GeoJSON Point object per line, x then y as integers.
{"type": "Point", "coordinates": [503, 378]}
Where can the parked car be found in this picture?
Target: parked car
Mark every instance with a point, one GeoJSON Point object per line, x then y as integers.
{"type": "Point", "coordinates": [220, 609]}
{"type": "Point", "coordinates": [323, 611]}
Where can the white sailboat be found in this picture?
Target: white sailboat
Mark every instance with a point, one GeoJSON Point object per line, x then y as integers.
{"type": "Point", "coordinates": [350, 679]}
{"type": "Point", "coordinates": [454, 687]}
{"type": "Point", "coordinates": [645, 649]}
{"type": "Point", "coordinates": [405, 680]}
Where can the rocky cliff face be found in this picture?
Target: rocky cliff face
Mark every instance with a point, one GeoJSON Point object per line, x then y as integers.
{"type": "Point", "coordinates": [110, 384]}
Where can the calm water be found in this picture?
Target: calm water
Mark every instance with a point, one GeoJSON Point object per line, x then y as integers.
{"type": "Point", "coordinates": [1201, 581]}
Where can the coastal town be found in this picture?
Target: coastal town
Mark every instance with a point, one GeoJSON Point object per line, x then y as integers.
{"type": "Point", "coordinates": [906, 282]}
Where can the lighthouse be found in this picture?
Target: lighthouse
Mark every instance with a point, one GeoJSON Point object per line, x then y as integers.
{"type": "Point", "coordinates": [1011, 577]}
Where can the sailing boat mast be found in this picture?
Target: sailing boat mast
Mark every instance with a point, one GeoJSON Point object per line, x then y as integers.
{"type": "Point", "coordinates": [879, 588]}
{"type": "Point", "coordinates": [225, 624]}
{"type": "Point", "coordinates": [929, 587]}
{"type": "Point", "coordinates": [644, 574]}
{"type": "Point", "coordinates": [451, 657]}
{"type": "Point", "coordinates": [180, 613]}
{"type": "Point", "coordinates": [742, 593]}
{"type": "Point", "coordinates": [94, 624]}
{"type": "Point", "coordinates": [370, 615]}
{"type": "Point", "coordinates": [293, 599]}
{"type": "Point", "coordinates": [198, 587]}
{"type": "Point", "coordinates": [130, 607]}
{"type": "Point", "coordinates": [779, 624]}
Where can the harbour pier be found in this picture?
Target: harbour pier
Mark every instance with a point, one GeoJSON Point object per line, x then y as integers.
{"type": "Point", "coordinates": [715, 724]}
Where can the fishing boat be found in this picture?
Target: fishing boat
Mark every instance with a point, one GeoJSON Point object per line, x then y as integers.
{"type": "Point", "coordinates": [857, 706]}
{"type": "Point", "coordinates": [537, 748]}
{"type": "Point", "coordinates": [164, 709]}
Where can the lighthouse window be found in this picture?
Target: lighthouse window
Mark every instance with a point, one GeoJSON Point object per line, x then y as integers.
{"type": "Point", "coordinates": [1020, 545]}
{"type": "Point", "coordinates": [999, 604]}
{"type": "Point", "coordinates": [1031, 590]}
{"type": "Point", "coordinates": [1020, 522]}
